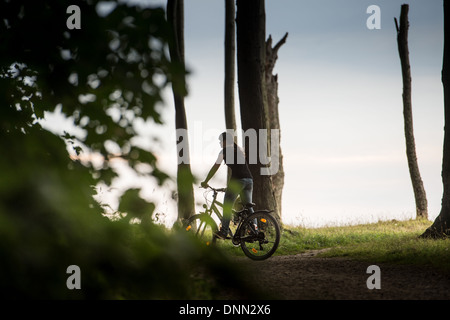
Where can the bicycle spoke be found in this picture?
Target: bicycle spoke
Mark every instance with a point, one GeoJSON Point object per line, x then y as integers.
{"type": "Point", "coordinates": [260, 236]}
{"type": "Point", "coordinates": [202, 227]}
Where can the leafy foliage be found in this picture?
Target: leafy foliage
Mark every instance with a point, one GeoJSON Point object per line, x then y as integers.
{"type": "Point", "coordinates": [104, 77]}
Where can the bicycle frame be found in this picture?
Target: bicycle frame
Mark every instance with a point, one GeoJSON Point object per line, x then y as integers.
{"type": "Point", "coordinates": [213, 208]}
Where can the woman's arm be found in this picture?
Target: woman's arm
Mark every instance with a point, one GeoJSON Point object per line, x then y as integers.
{"type": "Point", "coordinates": [211, 173]}
{"type": "Point", "coordinates": [213, 170]}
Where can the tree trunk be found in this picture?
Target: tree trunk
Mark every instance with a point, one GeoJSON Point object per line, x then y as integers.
{"type": "Point", "coordinates": [402, 41]}
{"type": "Point", "coordinates": [441, 225]}
{"type": "Point", "coordinates": [230, 63]}
{"type": "Point", "coordinates": [230, 66]}
{"type": "Point", "coordinates": [175, 16]}
{"type": "Point", "coordinates": [252, 93]}
{"type": "Point", "coordinates": [274, 118]}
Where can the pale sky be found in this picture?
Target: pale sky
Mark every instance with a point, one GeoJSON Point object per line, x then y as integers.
{"type": "Point", "coordinates": [340, 91]}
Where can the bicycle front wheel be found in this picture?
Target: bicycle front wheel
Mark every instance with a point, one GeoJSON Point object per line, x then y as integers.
{"type": "Point", "coordinates": [259, 235]}
{"type": "Point", "coordinates": [203, 227]}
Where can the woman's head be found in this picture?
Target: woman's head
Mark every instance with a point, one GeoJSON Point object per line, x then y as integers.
{"type": "Point", "coordinates": [226, 139]}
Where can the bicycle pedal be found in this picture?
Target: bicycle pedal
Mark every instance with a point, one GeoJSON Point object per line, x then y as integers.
{"type": "Point", "coordinates": [236, 242]}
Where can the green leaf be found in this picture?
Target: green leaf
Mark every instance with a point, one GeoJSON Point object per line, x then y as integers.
{"type": "Point", "coordinates": [132, 204]}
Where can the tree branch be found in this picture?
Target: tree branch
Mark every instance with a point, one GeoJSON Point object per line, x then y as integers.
{"type": "Point", "coordinates": [396, 25]}
{"type": "Point", "coordinates": [280, 43]}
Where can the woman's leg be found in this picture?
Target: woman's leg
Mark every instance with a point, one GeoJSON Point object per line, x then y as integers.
{"type": "Point", "coordinates": [247, 192]}
{"type": "Point", "coordinates": [228, 202]}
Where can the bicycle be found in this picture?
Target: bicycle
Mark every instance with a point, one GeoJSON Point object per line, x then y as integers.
{"type": "Point", "coordinates": [257, 233]}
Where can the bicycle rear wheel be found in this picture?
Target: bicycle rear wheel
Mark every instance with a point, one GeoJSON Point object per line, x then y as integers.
{"type": "Point", "coordinates": [203, 227]}
{"type": "Point", "coordinates": [261, 242]}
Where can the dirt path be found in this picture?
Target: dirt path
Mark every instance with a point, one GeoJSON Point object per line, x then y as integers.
{"type": "Point", "coordinates": [306, 276]}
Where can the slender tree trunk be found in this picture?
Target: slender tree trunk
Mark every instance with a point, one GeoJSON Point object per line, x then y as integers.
{"type": "Point", "coordinates": [230, 63]}
{"type": "Point", "coordinates": [402, 41]}
{"type": "Point", "coordinates": [252, 92]}
{"type": "Point", "coordinates": [274, 118]}
{"type": "Point", "coordinates": [230, 67]}
{"type": "Point", "coordinates": [175, 16]}
{"type": "Point", "coordinates": [441, 225]}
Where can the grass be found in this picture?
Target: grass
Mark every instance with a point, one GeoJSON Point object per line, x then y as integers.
{"type": "Point", "coordinates": [387, 241]}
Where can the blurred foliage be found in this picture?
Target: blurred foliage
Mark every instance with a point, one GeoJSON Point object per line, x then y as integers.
{"type": "Point", "coordinates": [104, 76]}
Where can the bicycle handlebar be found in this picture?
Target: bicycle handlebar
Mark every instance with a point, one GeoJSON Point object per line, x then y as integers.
{"type": "Point", "coordinates": [214, 189]}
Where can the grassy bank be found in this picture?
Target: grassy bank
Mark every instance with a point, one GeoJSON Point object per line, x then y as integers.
{"type": "Point", "coordinates": [387, 241]}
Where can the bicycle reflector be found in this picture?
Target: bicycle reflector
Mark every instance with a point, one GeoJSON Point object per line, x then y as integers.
{"type": "Point", "coordinates": [263, 220]}
{"type": "Point", "coordinates": [188, 228]}
{"type": "Point", "coordinates": [254, 250]}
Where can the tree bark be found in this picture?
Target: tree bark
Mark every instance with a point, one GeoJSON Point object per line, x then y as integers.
{"type": "Point", "coordinates": [402, 41]}
{"type": "Point", "coordinates": [230, 63]}
{"type": "Point", "coordinates": [230, 67]}
{"type": "Point", "coordinates": [441, 225]}
{"type": "Point", "coordinates": [252, 93]}
{"type": "Point", "coordinates": [274, 118]}
{"type": "Point", "coordinates": [175, 16]}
